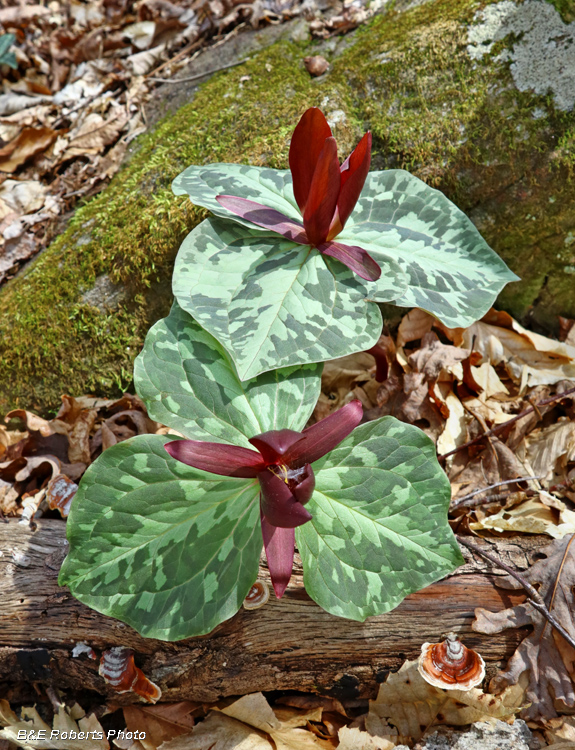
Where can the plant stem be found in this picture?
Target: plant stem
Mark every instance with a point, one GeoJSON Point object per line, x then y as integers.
{"type": "Point", "coordinates": [499, 427]}
{"type": "Point", "coordinates": [462, 500]}
{"type": "Point", "coordinates": [533, 596]}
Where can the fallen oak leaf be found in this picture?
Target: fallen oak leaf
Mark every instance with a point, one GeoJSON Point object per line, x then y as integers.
{"type": "Point", "coordinates": [29, 143]}
{"type": "Point", "coordinates": [160, 723]}
{"type": "Point", "coordinates": [407, 701]}
{"type": "Point", "coordinates": [544, 654]}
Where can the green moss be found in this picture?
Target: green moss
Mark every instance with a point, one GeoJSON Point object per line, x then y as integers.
{"type": "Point", "coordinates": [566, 9]}
{"type": "Point", "coordinates": [50, 340]}
{"type": "Point", "coordinates": [505, 157]}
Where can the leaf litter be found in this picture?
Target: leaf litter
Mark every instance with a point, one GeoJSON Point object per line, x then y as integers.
{"type": "Point", "coordinates": [458, 387]}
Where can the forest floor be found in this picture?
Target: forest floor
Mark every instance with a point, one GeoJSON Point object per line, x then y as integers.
{"type": "Point", "coordinates": [498, 400]}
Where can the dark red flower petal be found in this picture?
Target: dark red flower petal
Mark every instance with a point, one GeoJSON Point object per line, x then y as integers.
{"type": "Point", "coordinates": [279, 545]}
{"type": "Point", "coordinates": [218, 458]}
{"type": "Point", "coordinates": [323, 436]}
{"type": "Point", "coordinates": [263, 216]}
{"type": "Point", "coordinates": [306, 144]}
{"type": "Point", "coordinates": [278, 504]}
{"type": "Point", "coordinates": [381, 363]}
{"type": "Point", "coordinates": [303, 489]}
{"type": "Point", "coordinates": [273, 444]}
{"type": "Point", "coordinates": [323, 193]}
{"type": "Point", "coordinates": [354, 171]}
{"type": "Point", "coordinates": [355, 258]}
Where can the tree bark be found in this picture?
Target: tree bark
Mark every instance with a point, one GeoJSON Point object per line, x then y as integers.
{"type": "Point", "coordinates": [289, 644]}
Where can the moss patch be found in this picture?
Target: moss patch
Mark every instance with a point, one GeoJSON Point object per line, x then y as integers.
{"type": "Point", "coordinates": [51, 341]}
{"type": "Point", "coordinates": [507, 158]}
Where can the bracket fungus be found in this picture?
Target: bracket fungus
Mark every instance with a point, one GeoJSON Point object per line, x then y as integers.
{"type": "Point", "coordinates": [257, 596]}
{"type": "Point", "coordinates": [450, 665]}
{"type": "Point", "coordinates": [119, 670]}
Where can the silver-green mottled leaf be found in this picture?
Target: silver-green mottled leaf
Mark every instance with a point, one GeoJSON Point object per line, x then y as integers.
{"type": "Point", "coordinates": [379, 530]}
{"type": "Point", "coordinates": [271, 187]}
{"type": "Point", "coordinates": [452, 272]}
{"type": "Point", "coordinates": [189, 383]}
{"type": "Point", "coordinates": [168, 549]}
{"type": "Point", "coordinates": [272, 303]}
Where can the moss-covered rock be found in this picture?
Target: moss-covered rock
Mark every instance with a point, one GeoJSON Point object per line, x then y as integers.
{"type": "Point", "coordinates": [76, 318]}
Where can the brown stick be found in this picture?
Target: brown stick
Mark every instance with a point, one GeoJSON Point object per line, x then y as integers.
{"type": "Point", "coordinates": [534, 597]}
{"type": "Point", "coordinates": [503, 425]}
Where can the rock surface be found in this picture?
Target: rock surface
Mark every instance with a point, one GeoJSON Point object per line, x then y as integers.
{"type": "Point", "coordinates": [482, 736]}
{"type": "Point", "coordinates": [475, 98]}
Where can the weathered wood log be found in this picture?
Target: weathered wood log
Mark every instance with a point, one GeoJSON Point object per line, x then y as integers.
{"type": "Point", "coordinates": [288, 644]}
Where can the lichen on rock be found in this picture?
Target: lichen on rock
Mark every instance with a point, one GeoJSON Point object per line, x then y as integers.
{"type": "Point", "coordinates": [542, 58]}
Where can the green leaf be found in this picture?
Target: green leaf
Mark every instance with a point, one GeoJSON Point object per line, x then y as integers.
{"type": "Point", "coordinates": [379, 530]}
{"type": "Point", "coordinates": [452, 272]}
{"type": "Point", "coordinates": [168, 549]}
{"type": "Point", "coordinates": [272, 303]}
{"type": "Point", "coordinates": [272, 187]}
{"type": "Point", "coordinates": [188, 382]}
{"type": "Point", "coordinates": [6, 57]}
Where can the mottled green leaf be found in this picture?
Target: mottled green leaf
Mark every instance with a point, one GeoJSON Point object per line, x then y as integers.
{"type": "Point", "coordinates": [272, 187]}
{"type": "Point", "coordinates": [272, 303]}
{"type": "Point", "coordinates": [452, 272]}
{"type": "Point", "coordinates": [379, 530]}
{"type": "Point", "coordinates": [189, 383]}
{"type": "Point", "coordinates": [166, 548]}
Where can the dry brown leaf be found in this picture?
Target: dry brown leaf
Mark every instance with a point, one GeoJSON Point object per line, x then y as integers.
{"type": "Point", "coordinates": [544, 655]}
{"type": "Point", "coordinates": [220, 732]}
{"type": "Point", "coordinates": [407, 701]}
{"type": "Point", "coordinates": [20, 197]}
{"type": "Point", "coordinates": [530, 359]}
{"type": "Point", "coordinates": [160, 723]}
{"type": "Point", "coordinates": [95, 134]}
{"type": "Point", "coordinates": [550, 449]}
{"type": "Point", "coordinates": [355, 739]}
{"type": "Point", "coordinates": [28, 143]}
{"type": "Point", "coordinates": [530, 517]}
{"type": "Point", "coordinates": [66, 720]}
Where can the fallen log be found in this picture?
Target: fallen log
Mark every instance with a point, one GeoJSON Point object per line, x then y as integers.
{"type": "Point", "coordinates": [291, 644]}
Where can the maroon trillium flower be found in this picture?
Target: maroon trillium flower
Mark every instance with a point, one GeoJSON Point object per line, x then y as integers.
{"type": "Point", "coordinates": [324, 191]}
{"type": "Point", "coordinates": [282, 466]}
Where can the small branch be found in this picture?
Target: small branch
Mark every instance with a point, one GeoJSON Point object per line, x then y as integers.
{"type": "Point", "coordinates": [199, 75]}
{"type": "Point", "coordinates": [533, 596]}
{"type": "Point", "coordinates": [503, 425]}
{"type": "Point", "coordinates": [463, 499]}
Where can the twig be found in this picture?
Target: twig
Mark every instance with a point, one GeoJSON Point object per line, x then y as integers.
{"type": "Point", "coordinates": [199, 75]}
{"type": "Point", "coordinates": [533, 596]}
{"type": "Point", "coordinates": [462, 500]}
{"type": "Point", "coordinates": [503, 425]}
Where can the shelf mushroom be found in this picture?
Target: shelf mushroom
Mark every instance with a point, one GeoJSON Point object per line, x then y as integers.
{"type": "Point", "coordinates": [257, 596]}
{"type": "Point", "coordinates": [450, 665]}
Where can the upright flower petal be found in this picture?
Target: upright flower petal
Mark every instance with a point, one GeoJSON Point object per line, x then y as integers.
{"type": "Point", "coordinates": [279, 545]}
{"type": "Point", "coordinates": [273, 444]}
{"type": "Point", "coordinates": [218, 458]}
{"type": "Point", "coordinates": [353, 175]}
{"type": "Point", "coordinates": [306, 144]}
{"type": "Point", "coordinates": [263, 216]}
{"type": "Point", "coordinates": [323, 436]}
{"type": "Point", "coordinates": [278, 504]}
{"type": "Point", "coordinates": [381, 363]}
{"type": "Point", "coordinates": [323, 193]}
{"type": "Point", "coordinates": [355, 258]}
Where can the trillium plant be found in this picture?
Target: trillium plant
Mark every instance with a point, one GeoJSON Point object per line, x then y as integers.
{"type": "Point", "coordinates": [166, 531]}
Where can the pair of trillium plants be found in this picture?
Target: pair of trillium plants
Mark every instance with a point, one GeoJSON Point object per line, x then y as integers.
{"type": "Point", "coordinates": [166, 534]}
